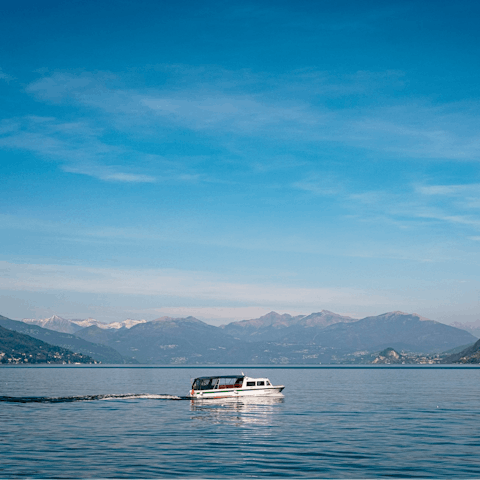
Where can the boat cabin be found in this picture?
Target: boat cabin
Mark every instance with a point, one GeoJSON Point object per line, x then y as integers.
{"type": "Point", "coordinates": [224, 382]}
{"type": "Point", "coordinates": [257, 382]}
{"type": "Point", "coordinates": [214, 383]}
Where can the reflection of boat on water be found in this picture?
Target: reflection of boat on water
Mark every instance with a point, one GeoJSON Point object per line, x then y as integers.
{"type": "Point", "coordinates": [237, 410]}
{"type": "Point", "coordinates": [240, 403]}
{"type": "Point", "coordinates": [233, 387]}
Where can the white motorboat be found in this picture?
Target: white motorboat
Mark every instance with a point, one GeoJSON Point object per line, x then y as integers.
{"type": "Point", "coordinates": [233, 386]}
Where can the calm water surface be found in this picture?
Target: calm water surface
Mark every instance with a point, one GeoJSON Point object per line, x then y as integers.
{"type": "Point", "coordinates": [331, 423]}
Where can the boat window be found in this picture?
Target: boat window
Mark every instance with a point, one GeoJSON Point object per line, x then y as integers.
{"type": "Point", "coordinates": [250, 384]}
{"type": "Point", "coordinates": [232, 382]}
{"type": "Point", "coordinates": [260, 383]}
{"type": "Point", "coordinates": [204, 383]}
{"type": "Point", "coordinates": [268, 383]}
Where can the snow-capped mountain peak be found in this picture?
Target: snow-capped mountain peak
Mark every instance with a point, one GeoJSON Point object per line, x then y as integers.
{"type": "Point", "coordinates": [55, 322]}
{"type": "Point", "coordinates": [129, 323]}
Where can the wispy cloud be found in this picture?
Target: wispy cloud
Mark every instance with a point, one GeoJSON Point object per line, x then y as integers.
{"type": "Point", "coordinates": [4, 76]}
{"type": "Point", "coordinates": [242, 114]}
{"type": "Point", "coordinates": [172, 283]}
{"type": "Point", "coordinates": [246, 116]}
{"type": "Point", "coordinates": [111, 173]}
{"type": "Point", "coordinates": [455, 219]}
{"type": "Point", "coordinates": [468, 192]}
{"type": "Point", "coordinates": [422, 131]}
{"type": "Point", "coordinates": [79, 149]}
{"type": "Point", "coordinates": [321, 184]}
{"type": "Point", "coordinates": [291, 107]}
{"type": "Point", "coordinates": [216, 106]}
{"type": "Point", "coordinates": [457, 203]}
{"type": "Point", "coordinates": [75, 145]}
{"type": "Point", "coordinates": [454, 205]}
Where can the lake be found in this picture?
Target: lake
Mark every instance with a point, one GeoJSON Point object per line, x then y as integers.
{"type": "Point", "coordinates": [331, 423]}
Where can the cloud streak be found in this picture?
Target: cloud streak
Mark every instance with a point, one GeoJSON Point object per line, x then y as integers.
{"type": "Point", "coordinates": [4, 76]}
{"type": "Point", "coordinates": [288, 107]}
{"type": "Point", "coordinates": [74, 145]}
{"type": "Point", "coordinates": [233, 109]}
{"type": "Point", "coordinates": [197, 286]}
{"type": "Point", "coordinates": [79, 149]}
{"type": "Point", "coordinates": [420, 202]}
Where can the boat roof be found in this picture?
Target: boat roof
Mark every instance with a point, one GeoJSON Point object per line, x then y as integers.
{"type": "Point", "coordinates": [220, 376]}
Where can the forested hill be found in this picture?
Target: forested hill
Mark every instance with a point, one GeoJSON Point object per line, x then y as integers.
{"type": "Point", "coordinates": [101, 353]}
{"type": "Point", "coordinates": [471, 354]}
{"type": "Point", "coordinates": [17, 348]}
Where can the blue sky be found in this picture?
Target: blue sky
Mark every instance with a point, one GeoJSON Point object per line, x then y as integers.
{"type": "Point", "coordinates": [223, 159]}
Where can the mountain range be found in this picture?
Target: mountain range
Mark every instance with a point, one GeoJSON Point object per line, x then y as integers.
{"type": "Point", "coordinates": [322, 337]}
{"type": "Point", "coordinates": [273, 326]}
{"type": "Point", "coordinates": [60, 324]}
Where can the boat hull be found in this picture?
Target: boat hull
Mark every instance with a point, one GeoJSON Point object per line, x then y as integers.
{"type": "Point", "coordinates": [238, 392]}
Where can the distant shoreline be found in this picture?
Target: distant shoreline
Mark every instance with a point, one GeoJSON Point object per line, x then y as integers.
{"type": "Point", "coordinates": [264, 367]}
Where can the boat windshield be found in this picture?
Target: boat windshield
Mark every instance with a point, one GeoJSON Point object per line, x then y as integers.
{"type": "Point", "coordinates": [211, 383]}
{"type": "Point", "coordinates": [204, 383]}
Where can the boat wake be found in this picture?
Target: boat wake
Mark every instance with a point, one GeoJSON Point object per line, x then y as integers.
{"type": "Point", "coordinates": [89, 398]}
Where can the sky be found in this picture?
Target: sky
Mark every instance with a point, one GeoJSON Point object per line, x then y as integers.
{"type": "Point", "coordinates": [224, 159]}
